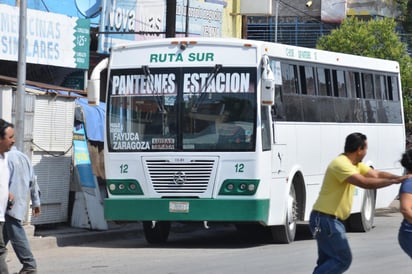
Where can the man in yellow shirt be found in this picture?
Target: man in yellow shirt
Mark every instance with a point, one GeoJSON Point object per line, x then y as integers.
{"type": "Point", "coordinates": [334, 203]}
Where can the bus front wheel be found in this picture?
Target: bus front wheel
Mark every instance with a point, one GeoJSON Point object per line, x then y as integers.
{"type": "Point", "coordinates": [285, 234]}
{"type": "Point", "coordinates": [363, 221]}
{"type": "Point", "coordinates": [156, 233]}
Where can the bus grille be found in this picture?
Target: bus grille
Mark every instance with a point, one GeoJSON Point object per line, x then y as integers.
{"type": "Point", "coordinates": [180, 177]}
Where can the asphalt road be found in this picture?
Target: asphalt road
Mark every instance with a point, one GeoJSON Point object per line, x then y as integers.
{"type": "Point", "coordinates": [222, 250]}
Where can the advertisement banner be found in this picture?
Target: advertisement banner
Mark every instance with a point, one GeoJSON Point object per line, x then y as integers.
{"type": "Point", "coordinates": [205, 19]}
{"type": "Point", "coordinates": [126, 21]}
{"type": "Point", "coordinates": [52, 39]}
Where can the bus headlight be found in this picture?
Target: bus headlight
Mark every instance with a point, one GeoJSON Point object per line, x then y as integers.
{"type": "Point", "coordinates": [239, 187]}
{"type": "Point", "coordinates": [124, 187]}
{"type": "Point", "coordinates": [251, 187]}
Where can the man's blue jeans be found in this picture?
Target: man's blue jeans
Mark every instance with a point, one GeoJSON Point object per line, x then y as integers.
{"type": "Point", "coordinates": [334, 254]}
{"type": "Point", "coordinates": [13, 231]}
{"type": "Point", "coordinates": [405, 237]}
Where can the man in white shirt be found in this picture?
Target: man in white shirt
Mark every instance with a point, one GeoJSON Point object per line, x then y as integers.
{"type": "Point", "coordinates": [6, 142]}
{"type": "Point", "coordinates": [23, 185]}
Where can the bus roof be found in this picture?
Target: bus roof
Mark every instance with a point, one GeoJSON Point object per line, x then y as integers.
{"type": "Point", "coordinates": [281, 51]}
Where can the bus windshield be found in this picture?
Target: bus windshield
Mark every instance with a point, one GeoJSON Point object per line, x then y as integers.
{"type": "Point", "coordinates": [184, 109]}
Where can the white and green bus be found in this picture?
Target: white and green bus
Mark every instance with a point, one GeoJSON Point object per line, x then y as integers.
{"type": "Point", "coordinates": [241, 132]}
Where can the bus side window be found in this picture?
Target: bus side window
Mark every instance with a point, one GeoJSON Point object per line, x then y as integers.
{"type": "Point", "coordinates": [358, 85]}
{"type": "Point", "coordinates": [278, 111]}
{"type": "Point", "coordinates": [266, 140]}
{"type": "Point", "coordinates": [324, 82]}
{"type": "Point", "coordinates": [393, 90]}
{"type": "Point", "coordinates": [307, 80]}
{"type": "Point", "coordinates": [367, 83]}
{"type": "Point", "coordinates": [339, 83]}
{"type": "Point", "coordinates": [380, 86]}
{"type": "Point", "coordinates": [354, 84]}
{"type": "Point", "coordinates": [289, 78]}
{"type": "Point", "coordinates": [290, 95]}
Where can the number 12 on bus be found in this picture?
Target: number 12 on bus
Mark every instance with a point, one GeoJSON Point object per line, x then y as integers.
{"type": "Point", "coordinates": [241, 132]}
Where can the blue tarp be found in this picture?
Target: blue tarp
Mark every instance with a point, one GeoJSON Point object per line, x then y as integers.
{"type": "Point", "coordinates": [94, 119]}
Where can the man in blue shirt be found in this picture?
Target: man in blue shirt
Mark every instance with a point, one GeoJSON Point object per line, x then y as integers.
{"type": "Point", "coordinates": [22, 184]}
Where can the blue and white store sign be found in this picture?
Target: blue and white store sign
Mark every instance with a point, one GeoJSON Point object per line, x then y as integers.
{"type": "Point", "coordinates": [52, 39]}
{"type": "Point", "coordinates": [127, 21]}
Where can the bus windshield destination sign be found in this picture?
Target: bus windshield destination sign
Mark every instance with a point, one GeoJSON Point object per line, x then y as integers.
{"type": "Point", "coordinates": [165, 84]}
{"type": "Point", "coordinates": [179, 57]}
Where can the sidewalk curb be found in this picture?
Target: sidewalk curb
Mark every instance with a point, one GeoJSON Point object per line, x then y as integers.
{"type": "Point", "coordinates": [69, 236]}
{"type": "Point", "coordinates": [77, 236]}
{"type": "Point", "coordinates": [392, 208]}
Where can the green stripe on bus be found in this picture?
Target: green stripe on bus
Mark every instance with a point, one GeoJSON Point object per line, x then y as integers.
{"type": "Point", "coordinates": [186, 210]}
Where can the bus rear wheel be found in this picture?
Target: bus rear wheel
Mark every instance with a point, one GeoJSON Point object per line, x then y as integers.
{"type": "Point", "coordinates": [363, 221]}
{"type": "Point", "coordinates": [285, 234]}
{"type": "Point", "coordinates": [156, 233]}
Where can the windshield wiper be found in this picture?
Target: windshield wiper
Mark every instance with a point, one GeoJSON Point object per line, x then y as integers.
{"type": "Point", "coordinates": [159, 101]}
{"type": "Point", "coordinates": [209, 79]}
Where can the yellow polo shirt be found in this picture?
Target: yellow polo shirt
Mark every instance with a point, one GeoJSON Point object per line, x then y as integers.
{"type": "Point", "coordinates": [336, 195]}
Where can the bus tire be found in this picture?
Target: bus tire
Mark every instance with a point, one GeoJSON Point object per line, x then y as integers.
{"type": "Point", "coordinates": [285, 234]}
{"type": "Point", "coordinates": [157, 234]}
{"type": "Point", "coordinates": [363, 221]}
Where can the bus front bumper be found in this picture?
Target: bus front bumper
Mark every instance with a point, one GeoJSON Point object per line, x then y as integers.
{"type": "Point", "coordinates": [226, 210]}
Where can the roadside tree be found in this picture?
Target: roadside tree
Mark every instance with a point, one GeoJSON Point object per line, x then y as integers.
{"type": "Point", "coordinates": [373, 38]}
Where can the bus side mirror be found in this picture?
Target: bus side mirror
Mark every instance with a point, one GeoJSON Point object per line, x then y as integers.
{"type": "Point", "coordinates": [267, 84]}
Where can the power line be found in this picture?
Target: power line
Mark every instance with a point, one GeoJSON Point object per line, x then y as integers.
{"type": "Point", "coordinates": [45, 6]}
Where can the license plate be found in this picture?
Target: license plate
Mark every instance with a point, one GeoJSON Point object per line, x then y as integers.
{"type": "Point", "coordinates": [179, 207]}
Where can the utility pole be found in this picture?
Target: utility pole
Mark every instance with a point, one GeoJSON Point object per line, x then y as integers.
{"type": "Point", "coordinates": [21, 77]}
{"type": "Point", "coordinates": [276, 21]}
{"type": "Point", "coordinates": [187, 19]}
{"type": "Point", "coordinates": [171, 18]}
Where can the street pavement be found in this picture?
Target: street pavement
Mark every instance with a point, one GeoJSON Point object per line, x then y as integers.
{"type": "Point", "coordinates": [63, 235]}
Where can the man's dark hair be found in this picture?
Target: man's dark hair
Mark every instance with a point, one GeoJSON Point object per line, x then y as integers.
{"type": "Point", "coordinates": [354, 141]}
{"type": "Point", "coordinates": [3, 126]}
